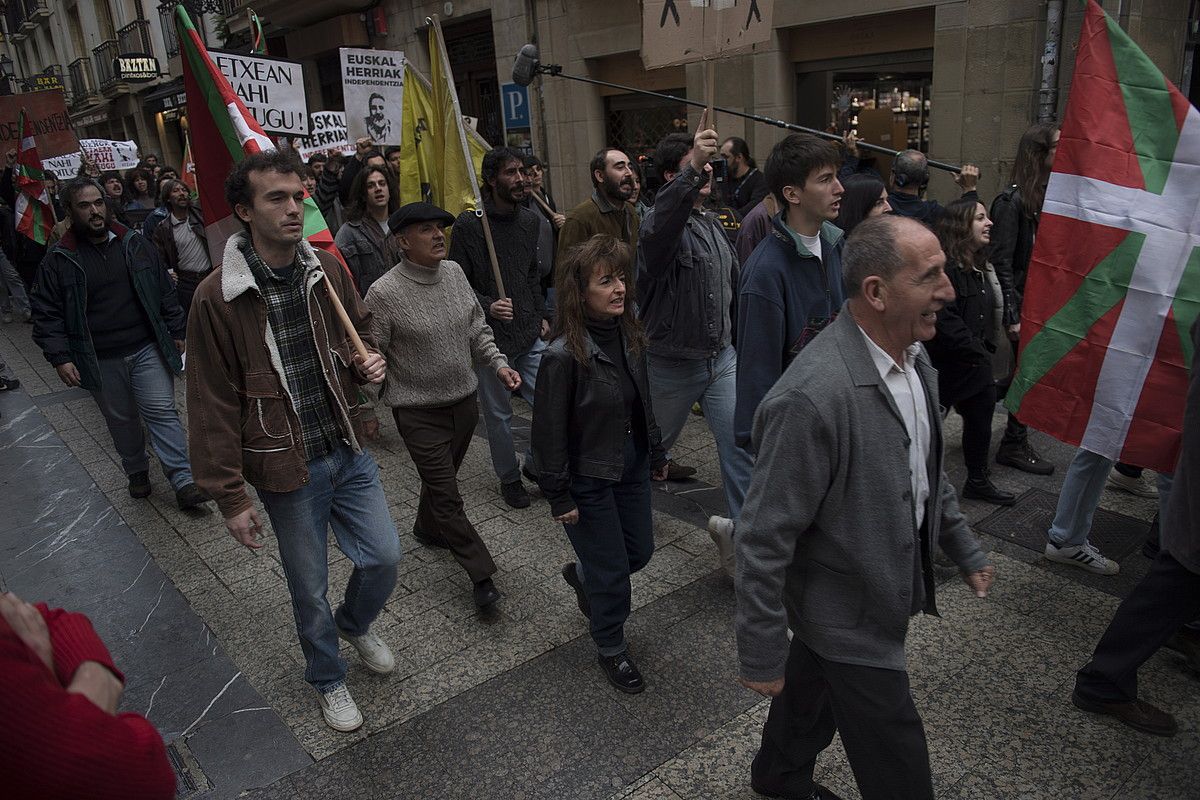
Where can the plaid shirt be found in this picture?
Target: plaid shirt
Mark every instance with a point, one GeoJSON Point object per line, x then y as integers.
{"type": "Point", "coordinates": [287, 311]}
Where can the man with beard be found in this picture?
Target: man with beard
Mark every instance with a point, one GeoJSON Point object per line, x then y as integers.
{"type": "Point", "coordinates": [608, 209]}
{"type": "Point", "coordinates": [379, 127]}
{"type": "Point", "coordinates": [519, 321]}
{"type": "Point", "coordinates": [106, 316]}
{"type": "Point", "coordinates": [181, 241]}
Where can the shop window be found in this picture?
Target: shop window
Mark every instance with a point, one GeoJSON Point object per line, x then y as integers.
{"type": "Point", "coordinates": [636, 124]}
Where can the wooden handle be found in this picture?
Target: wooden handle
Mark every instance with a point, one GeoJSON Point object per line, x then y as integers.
{"type": "Point", "coordinates": [491, 248]}
{"type": "Point", "coordinates": [541, 202]}
{"type": "Point", "coordinates": [340, 310]}
{"type": "Point", "coordinates": [711, 91]}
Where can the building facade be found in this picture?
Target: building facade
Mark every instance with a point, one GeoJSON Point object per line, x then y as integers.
{"type": "Point", "coordinates": [959, 79]}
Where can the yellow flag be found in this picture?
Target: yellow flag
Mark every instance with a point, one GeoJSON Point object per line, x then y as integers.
{"type": "Point", "coordinates": [418, 162]}
{"type": "Point", "coordinates": [454, 183]}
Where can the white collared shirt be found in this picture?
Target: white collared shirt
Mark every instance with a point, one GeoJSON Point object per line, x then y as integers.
{"type": "Point", "coordinates": [909, 395]}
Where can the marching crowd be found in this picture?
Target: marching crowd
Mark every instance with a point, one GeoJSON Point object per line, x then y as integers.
{"type": "Point", "coordinates": [821, 316]}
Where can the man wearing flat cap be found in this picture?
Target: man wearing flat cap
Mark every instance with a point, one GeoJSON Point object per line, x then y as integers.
{"type": "Point", "coordinates": [431, 329]}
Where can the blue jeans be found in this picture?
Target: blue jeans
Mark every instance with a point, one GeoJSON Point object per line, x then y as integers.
{"type": "Point", "coordinates": [496, 401]}
{"type": "Point", "coordinates": [1080, 496]}
{"type": "Point", "coordinates": [675, 384]}
{"type": "Point", "coordinates": [343, 490]}
{"type": "Point", "coordinates": [141, 387]}
{"type": "Point", "coordinates": [613, 539]}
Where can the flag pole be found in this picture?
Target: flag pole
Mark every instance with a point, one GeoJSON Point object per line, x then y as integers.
{"type": "Point", "coordinates": [541, 201]}
{"type": "Point", "coordinates": [351, 331]}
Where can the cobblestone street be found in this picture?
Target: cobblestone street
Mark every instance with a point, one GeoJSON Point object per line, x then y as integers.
{"type": "Point", "coordinates": [512, 705]}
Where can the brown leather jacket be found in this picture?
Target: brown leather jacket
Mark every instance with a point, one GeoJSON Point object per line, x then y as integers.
{"type": "Point", "coordinates": [242, 425]}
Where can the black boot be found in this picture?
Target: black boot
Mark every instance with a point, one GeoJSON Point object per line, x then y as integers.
{"type": "Point", "coordinates": [1022, 456]}
{"type": "Point", "coordinates": [980, 487]}
{"type": "Point", "coordinates": [622, 673]}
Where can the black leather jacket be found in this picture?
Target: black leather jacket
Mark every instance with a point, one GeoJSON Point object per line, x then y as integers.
{"type": "Point", "coordinates": [1013, 233]}
{"type": "Point", "coordinates": [579, 420]}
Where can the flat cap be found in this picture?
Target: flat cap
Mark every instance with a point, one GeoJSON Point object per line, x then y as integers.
{"type": "Point", "coordinates": [417, 212]}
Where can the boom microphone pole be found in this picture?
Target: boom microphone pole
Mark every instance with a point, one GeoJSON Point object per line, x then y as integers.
{"type": "Point", "coordinates": [528, 66]}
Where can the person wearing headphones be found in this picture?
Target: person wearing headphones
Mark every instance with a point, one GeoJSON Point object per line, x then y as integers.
{"type": "Point", "coordinates": [910, 176]}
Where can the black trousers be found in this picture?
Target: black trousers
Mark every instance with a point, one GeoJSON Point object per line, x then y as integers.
{"type": "Point", "coordinates": [438, 439]}
{"type": "Point", "coordinates": [976, 412]}
{"type": "Point", "coordinates": [186, 284]}
{"type": "Point", "coordinates": [1166, 599]}
{"type": "Point", "coordinates": [873, 710]}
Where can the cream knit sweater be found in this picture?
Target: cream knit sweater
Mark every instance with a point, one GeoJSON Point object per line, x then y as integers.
{"type": "Point", "coordinates": [431, 329]}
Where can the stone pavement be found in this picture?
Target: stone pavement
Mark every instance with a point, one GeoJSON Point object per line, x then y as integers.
{"type": "Point", "coordinates": [512, 705]}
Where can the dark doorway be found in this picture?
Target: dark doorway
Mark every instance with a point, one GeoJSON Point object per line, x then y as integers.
{"type": "Point", "coordinates": [472, 53]}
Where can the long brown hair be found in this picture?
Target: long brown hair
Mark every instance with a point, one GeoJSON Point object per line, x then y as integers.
{"type": "Point", "coordinates": [601, 252]}
{"type": "Point", "coordinates": [1030, 170]}
{"type": "Point", "coordinates": [954, 234]}
{"type": "Point", "coordinates": [358, 192]}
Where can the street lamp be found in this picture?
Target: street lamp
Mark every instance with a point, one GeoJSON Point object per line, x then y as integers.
{"type": "Point", "coordinates": [6, 74]}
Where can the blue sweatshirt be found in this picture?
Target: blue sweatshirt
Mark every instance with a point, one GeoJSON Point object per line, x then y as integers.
{"type": "Point", "coordinates": [786, 295]}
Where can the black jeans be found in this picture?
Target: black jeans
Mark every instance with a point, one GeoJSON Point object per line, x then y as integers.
{"type": "Point", "coordinates": [1167, 599]}
{"type": "Point", "coordinates": [976, 412]}
{"type": "Point", "coordinates": [613, 539]}
{"type": "Point", "coordinates": [873, 710]}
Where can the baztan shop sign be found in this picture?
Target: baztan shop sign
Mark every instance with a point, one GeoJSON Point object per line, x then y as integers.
{"type": "Point", "coordinates": [135, 68]}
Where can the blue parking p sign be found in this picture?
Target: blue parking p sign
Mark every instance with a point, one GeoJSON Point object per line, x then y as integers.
{"type": "Point", "coordinates": [516, 105]}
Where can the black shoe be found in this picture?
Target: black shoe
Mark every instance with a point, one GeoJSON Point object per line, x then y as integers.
{"type": "Point", "coordinates": [819, 792]}
{"type": "Point", "coordinates": [529, 474]}
{"type": "Point", "coordinates": [485, 593]}
{"type": "Point", "coordinates": [571, 576]}
{"type": "Point", "coordinates": [139, 484]}
{"type": "Point", "coordinates": [428, 540]}
{"type": "Point", "coordinates": [983, 489]}
{"type": "Point", "coordinates": [1022, 456]}
{"type": "Point", "coordinates": [189, 496]}
{"type": "Point", "coordinates": [622, 673]}
{"type": "Point", "coordinates": [8, 384]}
{"type": "Point", "coordinates": [514, 494]}
{"type": "Point", "coordinates": [679, 472]}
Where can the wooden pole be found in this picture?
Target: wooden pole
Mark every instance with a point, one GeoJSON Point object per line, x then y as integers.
{"type": "Point", "coordinates": [711, 90]}
{"type": "Point", "coordinates": [340, 310]}
{"type": "Point", "coordinates": [491, 248]}
{"type": "Point", "coordinates": [541, 202]}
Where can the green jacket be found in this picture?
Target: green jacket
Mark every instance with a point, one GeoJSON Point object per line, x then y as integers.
{"type": "Point", "coordinates": [59, 303]}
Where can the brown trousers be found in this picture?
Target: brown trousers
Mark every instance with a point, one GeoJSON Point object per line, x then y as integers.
{"type": "Point", "coordinates": [437, 439]}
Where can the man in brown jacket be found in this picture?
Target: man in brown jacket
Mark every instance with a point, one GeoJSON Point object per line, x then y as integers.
{"type": "Point", "coordinates": [273, 402]}
{"type": "Point", "coordinates": [181, 241]}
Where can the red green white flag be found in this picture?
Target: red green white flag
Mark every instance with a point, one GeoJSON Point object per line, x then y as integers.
{"type": "Point", "coordinates": [1114, 282]}
{"type": "Point", "coordinates": [34, 214]}
{"type": "Point", "coordinates": [223, 132]}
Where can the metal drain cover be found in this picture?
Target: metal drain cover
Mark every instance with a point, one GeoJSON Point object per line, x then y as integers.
{"type": "Point", "coordinates": [1026, 522]}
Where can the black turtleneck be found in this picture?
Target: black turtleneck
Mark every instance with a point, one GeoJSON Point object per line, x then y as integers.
{"type": "Point", "coordinates": [606, 334]}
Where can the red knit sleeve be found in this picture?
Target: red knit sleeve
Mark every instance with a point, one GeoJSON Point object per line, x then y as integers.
{"type": "Point", "coordinates": [74, 641]}
{"type": "Point", "coordinates": [56, 745]}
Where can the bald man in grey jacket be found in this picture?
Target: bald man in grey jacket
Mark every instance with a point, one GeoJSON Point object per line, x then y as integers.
{"type": "Point", "coordinates": [847, 500]}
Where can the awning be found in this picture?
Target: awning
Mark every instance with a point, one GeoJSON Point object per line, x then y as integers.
{"type": "Point", "coordinates": [166, 97]}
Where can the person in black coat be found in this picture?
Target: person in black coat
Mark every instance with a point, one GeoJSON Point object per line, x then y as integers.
{"type": "Point", "coordinates": [969, 335]}
{"type": "Point", "coordinates": [595, 441]}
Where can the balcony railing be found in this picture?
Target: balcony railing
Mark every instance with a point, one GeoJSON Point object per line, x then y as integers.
{"type": "Point", "coordinates": [14, 14]}
{"type": "Point", "coordinates": [105, 72]}
{"type": "Point", "coordinates": [81, 84]}
{"type": "Point", "coordinates": [135, 38]}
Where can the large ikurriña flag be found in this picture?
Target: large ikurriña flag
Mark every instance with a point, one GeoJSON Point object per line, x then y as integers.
{"type": "Point", "coordinates": [1114, 282]}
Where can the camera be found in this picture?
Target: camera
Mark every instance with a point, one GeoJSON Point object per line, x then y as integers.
{"type": "Point", "coordinates": [720, 170]}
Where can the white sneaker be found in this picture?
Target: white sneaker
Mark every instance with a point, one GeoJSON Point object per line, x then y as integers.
{"type": "Point", "coordinates": [1084, 556]}
{"type": "Point", "coordinates": [340, 710]}
{"type": "Point", "coordinates": [721, 531]}
{"type": "Point", "coordinates": [375, 654]}
{"type": "Point", "coordinates": [1139, 486]}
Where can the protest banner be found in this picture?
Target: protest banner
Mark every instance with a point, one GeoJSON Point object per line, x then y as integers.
{"type": "Point", "coordinates": [271, 88]}
{"type": "Point", "coordinates": [683, 31]}
{"type": "Point", "coordinates": [47, 113]}
{"type": "Point", "coordinates": [373, 87]}
{"type": "Point", "coordinates": [327, 134]}
{"type": "Point", "coordinates": [106, 154]}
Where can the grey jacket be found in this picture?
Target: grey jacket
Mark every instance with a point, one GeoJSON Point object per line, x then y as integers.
{"type": "Point", "coordinates": [828, 529]}
{"type": "Point", "coordinates": [1181, 528]}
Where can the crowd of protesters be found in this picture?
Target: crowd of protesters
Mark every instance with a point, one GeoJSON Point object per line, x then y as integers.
{"type": "Point", "coordinates": [765, 303]}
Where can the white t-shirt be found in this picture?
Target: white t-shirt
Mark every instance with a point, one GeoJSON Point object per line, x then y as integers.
{"type": "Point", "coordinates": [193, 255]}
{"type": "Point", "coordinates": [813, 243]}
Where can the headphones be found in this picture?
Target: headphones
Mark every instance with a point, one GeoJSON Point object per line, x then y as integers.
{"type": "Point", "coordinates": [900, 179]}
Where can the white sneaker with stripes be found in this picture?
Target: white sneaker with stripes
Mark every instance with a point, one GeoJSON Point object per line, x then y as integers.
{"type": "Point", "coordinates": [1084, 556]}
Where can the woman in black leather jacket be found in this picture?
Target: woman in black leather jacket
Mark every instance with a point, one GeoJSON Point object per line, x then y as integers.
{"type": "Point", "coordinates": [595, 441]}
{"type": "Point", "coordinates": [970, 336]}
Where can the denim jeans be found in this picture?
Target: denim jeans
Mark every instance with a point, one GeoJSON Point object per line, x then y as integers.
{"type": "Point", "coordinates": [141, 387]}
{"type": "Point", "coordinates": [1080, 496]}
{"type": "Point", "coordinates": [16, 299]}
{"type": "Point", "coordinates": [613, 539]}
{"type": "Point", "coordinates": [344, 491]}
{"type": "Point", "coordinates": [675, 384]}
{"type": "Point", "coordinates": [496, 401]}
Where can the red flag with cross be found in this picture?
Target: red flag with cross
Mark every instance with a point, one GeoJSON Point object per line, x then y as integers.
{"type": "Point", "coordinates": [1114, 282]}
